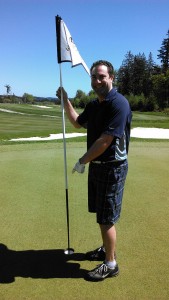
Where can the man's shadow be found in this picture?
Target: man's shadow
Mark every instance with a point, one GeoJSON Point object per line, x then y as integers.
{"type": "Point", "coordinates": [38, 264]}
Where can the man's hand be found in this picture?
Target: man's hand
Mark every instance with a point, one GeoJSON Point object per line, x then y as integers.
{"type": "Point", "coordinates": [80, 168]}
{"type": "Point", "coordinates": [62, 91]}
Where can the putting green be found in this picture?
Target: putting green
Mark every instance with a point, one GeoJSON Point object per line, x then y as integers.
{"type": "Point", "coordinates": [33, 225]}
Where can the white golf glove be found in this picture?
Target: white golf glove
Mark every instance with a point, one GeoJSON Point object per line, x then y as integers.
{"type": "Point", "coordinates": [80, 168]}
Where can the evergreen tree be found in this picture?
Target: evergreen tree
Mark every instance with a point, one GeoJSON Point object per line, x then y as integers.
{"type": "Point", "coordinates": [150, 64]}
{"type": "Point", "coordinates": [164, 54]}
{"type": "Point", "coordinates": [133, 75]}
{"type": "Point", "coordinates": [139, 74]}
{"type": "Point", "coordinates": [124, 75]}
{"type": "Point", "coordinates": [149, 71]}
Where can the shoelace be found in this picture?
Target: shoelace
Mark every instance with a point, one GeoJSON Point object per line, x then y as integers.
{"type": "Point", "coordinates": [103, 268]}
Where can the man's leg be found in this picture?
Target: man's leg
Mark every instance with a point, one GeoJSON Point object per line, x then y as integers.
{"type": "Point", "coordinates": [109, 267]}
{"type": "Point", "coordinates": [109, 240]}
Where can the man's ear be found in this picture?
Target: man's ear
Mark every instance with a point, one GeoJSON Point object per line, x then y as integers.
{"type": "Point", "coordinates": [112, 77]}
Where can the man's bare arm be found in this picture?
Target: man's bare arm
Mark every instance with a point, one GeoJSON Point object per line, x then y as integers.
{"type": "Point", "coordinates": [70, 111]}
{"type": "Point", "coordinates": [99, 146]}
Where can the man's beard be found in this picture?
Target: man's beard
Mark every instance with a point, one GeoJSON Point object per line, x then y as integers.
{"type": "Point", "coordinates": [101, 91]}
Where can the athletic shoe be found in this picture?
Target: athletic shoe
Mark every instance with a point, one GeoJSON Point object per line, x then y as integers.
{"type": "Point", "coordinates": [97, 254]}
{"type": "Point", "coordinates": [101, 272]}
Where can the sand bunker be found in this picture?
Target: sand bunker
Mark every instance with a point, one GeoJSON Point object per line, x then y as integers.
{"type": "Point", "coordinates": [142, 133]}
{"type": "Point", "coordinates": [58, 136]}
{"type": "Point", "coordinates": [150, 133]}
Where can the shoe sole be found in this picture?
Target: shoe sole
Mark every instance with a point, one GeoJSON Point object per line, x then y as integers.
{"type": "Point", "coordinates": [88, 278]}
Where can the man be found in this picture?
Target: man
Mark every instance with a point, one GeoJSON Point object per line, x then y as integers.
{"type": "Point", "coordinates": [107, 120]}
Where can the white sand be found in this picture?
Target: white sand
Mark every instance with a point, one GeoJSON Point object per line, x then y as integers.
{"type": "Point", "coordinates": [11, 111]}
{"type": "Point", "coordinates": [51, 137]}
{"type": "Point", "coordinates": [42, 106]}
{"type": "Point", "coordinates": [150, 133]}
{"type": "Point", "coordinates": [19, 113]}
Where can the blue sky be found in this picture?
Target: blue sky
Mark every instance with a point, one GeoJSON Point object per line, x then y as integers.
{"type": "Point", "coordinates": [100, 29]}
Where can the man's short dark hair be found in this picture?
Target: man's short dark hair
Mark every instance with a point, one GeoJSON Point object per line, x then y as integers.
{"type": "Point", "coordinates": [104, 63]}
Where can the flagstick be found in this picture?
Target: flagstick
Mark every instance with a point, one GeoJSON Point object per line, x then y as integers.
{"type": "Point", "coordinates": [68, 250]}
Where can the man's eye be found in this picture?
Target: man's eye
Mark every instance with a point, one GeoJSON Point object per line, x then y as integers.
{"type": "Point", "coordinates": [99, 77]}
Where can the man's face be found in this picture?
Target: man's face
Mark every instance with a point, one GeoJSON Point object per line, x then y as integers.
{"type": "Point", "coordinates": [101, 81]}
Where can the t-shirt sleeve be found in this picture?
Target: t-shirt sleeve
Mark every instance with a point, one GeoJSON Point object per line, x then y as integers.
{"type": "Point", "coordinates": [116, 121]}
{"type": "Point", "coordinates": [83, 117]}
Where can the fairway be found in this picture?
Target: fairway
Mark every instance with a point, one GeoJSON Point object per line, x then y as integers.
{"type": "Point", "coordinates": [33, 225]}
{"type": "Point", "coordinates": [26, 121]}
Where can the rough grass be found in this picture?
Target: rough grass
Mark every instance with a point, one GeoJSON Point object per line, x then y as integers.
{"type": "Point", "coordinates": [151, 119]}
{"type": "Point", "coordinates": [33, 225]}
{"type": "Point", "coordinates": [42, 122]}
{"type": "Point", "coordinates": [33, 121]}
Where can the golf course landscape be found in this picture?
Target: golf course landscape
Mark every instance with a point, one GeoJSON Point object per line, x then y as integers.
{"type": "Point", "coordinates": [33, 231]}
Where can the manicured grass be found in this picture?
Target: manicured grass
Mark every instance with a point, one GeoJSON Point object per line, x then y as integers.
{"type": "Point", "coordinates": [33, 225]}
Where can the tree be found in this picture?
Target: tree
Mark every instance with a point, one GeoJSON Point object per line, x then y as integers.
{"type": "Point", "coordinates": [124, 82]}
{"type": "Point", "coordinates": [8, 89]}
{"type": "Point", "coordinates": [133, 75]}
{"type": "Point", "coordinates": [161, 89]}
{"type": "Point", "coordinates": [139, 74]}
{"type": "Point", "coordinates": [149, 71]}
{"type": "Point", "coordinates": [28, 98]}
{"type": "Point", "coordinates": [164, 54]}
{"type": "Point", "coordinates": [150, 64]}
{"type": "Point", "coordinates": [80, 99]}
{"type": "Point", "coordinates": [80, 94]}
{"type": "Point", "coordinates": [92, 94]}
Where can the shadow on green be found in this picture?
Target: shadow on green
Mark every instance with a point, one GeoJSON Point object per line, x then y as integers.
{"type": "Point", "coordinates": [38, 264]}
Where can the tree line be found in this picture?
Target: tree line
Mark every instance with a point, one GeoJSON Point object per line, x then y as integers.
{"type": "Point", "coordinates": [144, 83]}
{"type": "Point", "coordinates": [26, 98]}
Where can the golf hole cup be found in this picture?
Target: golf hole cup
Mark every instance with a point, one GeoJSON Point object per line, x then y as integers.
{"type": "Point", "coordinates": [69, 251]}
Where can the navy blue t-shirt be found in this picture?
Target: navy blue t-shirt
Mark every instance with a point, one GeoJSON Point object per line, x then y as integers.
{"type": "Point", "coordinates": [113, 117]}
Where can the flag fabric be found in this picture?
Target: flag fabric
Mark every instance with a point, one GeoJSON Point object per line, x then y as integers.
{"type": "Point", "coordinates": [66, 49]}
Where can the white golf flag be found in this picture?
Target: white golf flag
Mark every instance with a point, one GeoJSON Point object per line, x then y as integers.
{"type": "Point", "coordinates": [66, 49]}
